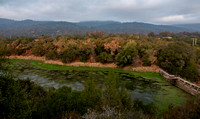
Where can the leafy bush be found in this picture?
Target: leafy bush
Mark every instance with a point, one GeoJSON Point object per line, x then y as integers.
{"type": "Point", "coordinates": [20, 98]}
{"type": "Point", "coordinates": [4, 50]}
{"type": "Point", "coordinates": [146, 61]}
{"type": "Point", "coordinates": [99, 46]}
{"type": "Point", "coordinates": [190, 110]}
{"type": "Point", "coordinates": [177, 58]}
{"type": "Point", "coordinates": [104, 58]}
{"type": "Point", "coordinates": [63, 100]}
{"type": "Point", "coordinates": [69, 51]}
{"type": "Point", "coordinates": [84, 57]}
{"type": "Point", "coordinates": [19, 51]}
{"type": "Point", "coordinates": [12, 99]}
{"type": "Point", "coordinates": [84, 52]}
{"type": "Point", "coordinates": [125, 57]}
{"type": "Point", "coordinates": [52, 54]}
{"type": "Point", "coordinates": [91, 95]}
{"type": "Point", "coordinates": [190, 71]}
{"type": "Point", "coordinates": [68, 56]}
{"type": "Point", "coordinates": [115, 95]}
{"type": "Point", "coordinates": [42, 47]}
{"type": "Point", "coordinates": [99, 49]}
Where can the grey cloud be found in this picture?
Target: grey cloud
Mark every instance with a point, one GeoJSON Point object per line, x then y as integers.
{"type": "Point", "coordinates": [153, 11]}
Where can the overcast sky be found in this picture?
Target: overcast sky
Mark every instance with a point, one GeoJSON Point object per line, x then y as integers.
{"type": "Point", "coordinates": [150, 11]}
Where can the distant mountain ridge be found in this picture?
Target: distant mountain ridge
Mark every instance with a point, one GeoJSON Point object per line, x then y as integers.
{"type": "Point", "coordinates": [96, 23]}
{"type": "Point", "coordinates": [36, 28]}
{"type": "Point", "coordinates": [195, 26]}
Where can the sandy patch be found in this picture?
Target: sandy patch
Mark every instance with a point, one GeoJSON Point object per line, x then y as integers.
{"type": "Point", "coordinates": [152, 68]}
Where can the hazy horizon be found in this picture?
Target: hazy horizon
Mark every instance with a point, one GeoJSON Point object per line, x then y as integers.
{"type": "Point", "coordinates": [100, 21]}
{"type": "Point", "coordinates": [147, 11]}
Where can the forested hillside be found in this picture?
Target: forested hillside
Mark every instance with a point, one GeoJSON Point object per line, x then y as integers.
{"type": "Point", "coordinates": [36, 28]}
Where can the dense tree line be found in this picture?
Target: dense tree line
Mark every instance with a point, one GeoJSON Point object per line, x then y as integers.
{"type": "Point", "coordinates": [172, 52]}
{"type": "Point", "coordinates": [178, 58]}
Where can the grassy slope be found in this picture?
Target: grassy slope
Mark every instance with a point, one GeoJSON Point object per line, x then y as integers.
{"type": "Point", "coordinates": [167, 95]}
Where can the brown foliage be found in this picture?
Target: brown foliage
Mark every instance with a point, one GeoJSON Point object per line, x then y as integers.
{"type": "Point", "coordinates": [112, 46]}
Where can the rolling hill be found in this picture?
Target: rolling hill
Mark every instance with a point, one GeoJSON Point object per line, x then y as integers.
{"type": "Point", "coordinates": [36, 28]}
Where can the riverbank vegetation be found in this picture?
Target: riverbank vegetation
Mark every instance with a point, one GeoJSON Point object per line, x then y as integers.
{"type": "Point", "coordinates": [22, 98]}
{"type": "Point", "coordinates": [175, 53]}
{"type": "Point", "coordinates": [147, 86]}
{"type": "Point", "coordinates": [25, 99]}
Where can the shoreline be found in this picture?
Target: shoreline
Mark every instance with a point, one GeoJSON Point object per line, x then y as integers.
{"type": "Point", "coordinates": [152, 68]}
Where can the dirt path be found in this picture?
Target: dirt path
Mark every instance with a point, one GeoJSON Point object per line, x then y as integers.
{"type": "Point", "coordinates": [152, 68]}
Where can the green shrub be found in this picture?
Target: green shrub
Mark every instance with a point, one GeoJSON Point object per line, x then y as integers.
{"type": "Point", "coordinates": [190, 110]}
{"type": "Point", "coordinates": [20, 99]}
{"type": "Point", "coordinates": [52, 54]}
{"type": "Point", "coordinates": [190, 71]}
{"type": "Point", "coordinates": [146, 61]}
{"type": "Point", "coordinates": [125, 57]}
{"type": "Point", "coordinates": [91, 95]}
{"type": "Point", "coordinates": [178, 58]}
{"type": "Point", "coordinates": [62, 101]}
{"type": "Point", "coordinates": [105, 58]}
{"type": "Point", "coordinates": [99, 49]}
{"type": "Point", "coordinates": [115, 95]}
{"type": "Point", "coordinates": [68, 56]}
{"type": "Point", "coordinates": [4, 50]}
{"type": "Point", "coordinates": [84, 57]}
{"type": "Point", "coordinates": [38, 51]}
{"type": "Point", "coordinates": [41, 47]}
{"type": "Point", "coordinates": [12, 99]}
{"type": "Point", "coordinates": [19, 51]}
